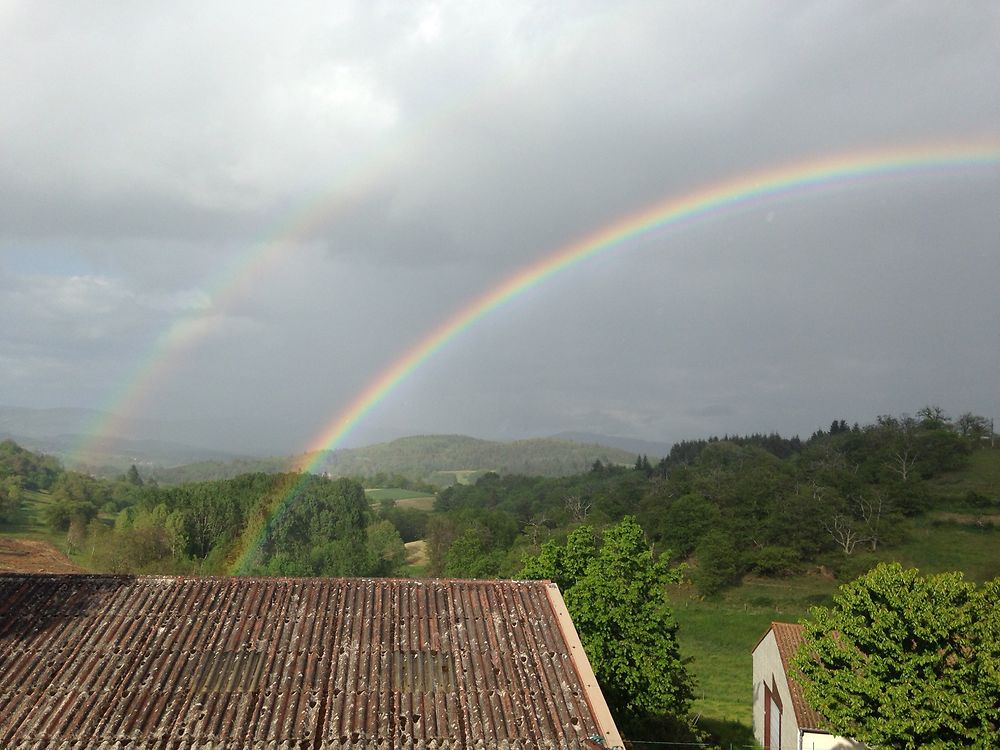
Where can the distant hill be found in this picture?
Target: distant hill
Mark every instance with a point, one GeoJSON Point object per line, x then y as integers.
{"type": "Point", "coordinates": [435, 456]}
{"type": "Point", "coordinates": [145, 442]}
{"type": "Point", "coordinates": [43, 423]}
{"type": "Point", "coordinates": [649, 448]}
{"type": "Point", "coordinates": [111, 456]}
{"type": "Point", "coordinates": [440, 459]}
{"type": "Point", "coordinates": [210, 471]}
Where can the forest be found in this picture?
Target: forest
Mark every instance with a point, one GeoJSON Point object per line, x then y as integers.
{"type": "Point", "coordinates": [727, 506]}
{"type": "Point", "coordinates": [615, 537]}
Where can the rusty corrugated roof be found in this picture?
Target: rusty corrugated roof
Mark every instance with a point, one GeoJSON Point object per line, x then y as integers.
{"type": "Point", "coordinates": [789, 636]}
{"type": "Point", "coordinates": [91, 661]}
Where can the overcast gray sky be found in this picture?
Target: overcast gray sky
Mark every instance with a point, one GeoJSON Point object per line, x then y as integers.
{"type": "Point", "coordinates": [407, 156]}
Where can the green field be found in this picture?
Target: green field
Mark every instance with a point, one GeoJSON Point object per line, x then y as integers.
{"type": "Point", "coordinates": [458, 476]}
{"type": "Point", "coordinates": [403, 498]}
{"type": "Point", "coordinates": [27, 523]}
{"type": "Point", "coordinates": [981, 476]}
{"type": "Point", "coordinates": [394, 493]}
{"type": "Point", "coordinates": [718, 634]}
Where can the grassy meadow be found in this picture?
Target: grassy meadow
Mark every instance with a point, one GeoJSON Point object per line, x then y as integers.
{"type": "Point", "coordinates": [28, 522]}
{"type": "Point", "coordinates": [719, 633]}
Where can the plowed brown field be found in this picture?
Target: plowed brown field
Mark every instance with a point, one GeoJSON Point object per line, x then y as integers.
{"type": "Point", "coordinates": [32, 556]}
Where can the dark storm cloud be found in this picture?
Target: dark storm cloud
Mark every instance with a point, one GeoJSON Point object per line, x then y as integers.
{"type": "Point", "coordinates": [387, 163]}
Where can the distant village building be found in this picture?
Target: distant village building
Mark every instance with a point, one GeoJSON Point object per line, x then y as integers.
{"type": "Point", "coordinates": [276, 663]}
{"type": "Point", "coordinates": [782, 720]}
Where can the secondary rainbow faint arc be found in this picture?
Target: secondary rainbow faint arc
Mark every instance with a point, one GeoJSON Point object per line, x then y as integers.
{"type": "Point", "coordinates": [714, 198]}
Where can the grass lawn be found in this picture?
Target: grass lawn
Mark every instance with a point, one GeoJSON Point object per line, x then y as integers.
{"type": "Point", "coordinates": [28, 523]}
{"type": "Point", "coordinates": [417, 503]}
{"type": "Point", "coordinates": [416, 558]}
{"type": "Point", "coordinates": [403, 498]}
{"type": "Point", "coordinates": [982, 476]}
{"type": "Point", "coordinates": [937, 546]}
{"type": "Point", "coordinates": [718, 634]}
{"type": "Point", "coordinates": [461, 476]}
{"type": "Point", "coordinates": [394, 493]}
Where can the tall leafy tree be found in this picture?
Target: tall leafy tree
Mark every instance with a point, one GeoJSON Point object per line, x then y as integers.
{"type": "Point", "coordinates": [11, 495]}
{"type": "Point", "coordinates": [907, 661]}
{"type": "Point", "coordinates": [133, 477]}
{"type": "Point", "coordinates": [616, 594]}
{"type": "Point", "coordinates": [319, 530]}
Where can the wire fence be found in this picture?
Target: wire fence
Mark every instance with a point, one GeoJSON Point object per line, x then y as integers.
{"type": "Point", "coordinates": [640, 744]}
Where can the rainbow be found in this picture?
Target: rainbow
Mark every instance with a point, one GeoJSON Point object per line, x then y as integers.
{"type": "Point", "coordinates": [229, 284]}
{"type": "Point", "coordinates": [234, 280]}
{"type": "Point", "coordinates": [713, 200]}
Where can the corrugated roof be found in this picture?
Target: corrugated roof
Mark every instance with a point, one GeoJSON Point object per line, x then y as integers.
{"type": "Point", "coordinates": [142, 662]}
{"type": "Point", "coordinates": [789, 636]}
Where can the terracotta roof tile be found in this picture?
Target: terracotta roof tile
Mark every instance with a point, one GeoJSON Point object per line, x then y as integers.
{"type": "Point", "coordinates": [789, 636]}
{"type": "Point", "coordinates": [91, 661]}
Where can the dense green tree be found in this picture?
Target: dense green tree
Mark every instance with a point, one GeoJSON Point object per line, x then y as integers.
{"type": "Point", "coordinates": [468, 543]}
{"type": "Point", "coordinates": [907, 661]}
{"type": "Point", "coordinates": [686, 521]}
{"type": "Point", "coordinates": [132, 476]}
{"type": "Point", "coordinates": [386, 551]}
{"type": "Point", "coordinates": [616, 594]}
{"type": "Point", "coordinates": [36, 471]}
{"type": "Point", "coordinates": [563, 564]}
{"type": "Point", "coordinates": [409, 522]}
{"type": "Point", "coordinates": [473, 554]}
{"type": "Point", "coordinates": [973, 427]}
{"type": "Point", "coordinates": [720, 561]}
{"type": "Point", "coordinates": [323, 522]}
{"type": "Point", "coordinates": [11, 495]}
{"type": "Point", "coordinates": [74, 496]}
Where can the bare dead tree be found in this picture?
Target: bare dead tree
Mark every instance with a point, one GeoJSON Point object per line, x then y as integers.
{"type": "Point", "coordinates": [844, 533]}
{"type": "Point", "coordinates": [903, 461]}
{"type": "Point", "coordinates": [871, 508]}
{"type": "Point", "coordinates": [577, 508]}
{"type": "Point", "coordinates": [534, 528]}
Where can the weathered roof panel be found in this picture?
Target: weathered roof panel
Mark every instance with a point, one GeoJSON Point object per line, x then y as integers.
{"type": "Point", "coordinates": [141, 662]}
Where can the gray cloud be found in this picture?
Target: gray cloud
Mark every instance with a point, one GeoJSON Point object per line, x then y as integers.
{"type": "Point", "coordinates": [387, 163]}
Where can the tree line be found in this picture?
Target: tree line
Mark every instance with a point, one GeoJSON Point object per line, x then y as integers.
{"type": "Point", "coordinates": [758, 503]}
{"type": "Point", "coordinates": [612, 537]}
{"type": "Point", "coordinates": [744, 504]}
{"type": "Point", "coordinates": [272, 524]}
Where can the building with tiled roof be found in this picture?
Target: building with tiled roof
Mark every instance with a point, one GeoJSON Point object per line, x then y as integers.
{"type": "Point", "coordinates": [782, 720]}
{"type": "Point", "coordinates": [265, 663]}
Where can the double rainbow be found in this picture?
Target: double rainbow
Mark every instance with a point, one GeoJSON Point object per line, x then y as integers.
{"type": "Point", "coordinates": [714, 200]}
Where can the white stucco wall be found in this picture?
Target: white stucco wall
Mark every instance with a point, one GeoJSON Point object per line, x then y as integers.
{"type": "Point", "coordinates": [767, 664]}
{"type": "Point", "coordinates": [823, 741]}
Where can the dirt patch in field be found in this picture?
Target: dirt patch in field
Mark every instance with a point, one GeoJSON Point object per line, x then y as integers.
{"type": "Point", "coordinates": [31, 556]}
{"type": "Point", "coordinates": [416, 552]}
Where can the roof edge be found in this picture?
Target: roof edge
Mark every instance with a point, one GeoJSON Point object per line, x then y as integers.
{"type": "Point", "coordinates": [769, 629]}
{"type": "Point", "coordinates": [595, 698]}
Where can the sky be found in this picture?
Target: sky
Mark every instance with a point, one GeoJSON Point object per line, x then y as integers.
{"type": "Point", "coordinates": [240, 214]}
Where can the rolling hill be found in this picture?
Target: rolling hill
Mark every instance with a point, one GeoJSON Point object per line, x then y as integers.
{"type": "Point", "coordinates": [439, 459]}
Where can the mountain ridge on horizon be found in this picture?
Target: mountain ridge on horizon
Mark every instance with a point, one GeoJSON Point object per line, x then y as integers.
{"type": "Point", "coordinates": [435, 459]}
{"type": "Point", "coordinates": [60, 431]}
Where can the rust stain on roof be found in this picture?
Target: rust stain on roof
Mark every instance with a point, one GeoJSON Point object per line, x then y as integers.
{"type": "Point", "coordinates": [789, 636]}
{"type": "Point", "coordinates": [142, 662]}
